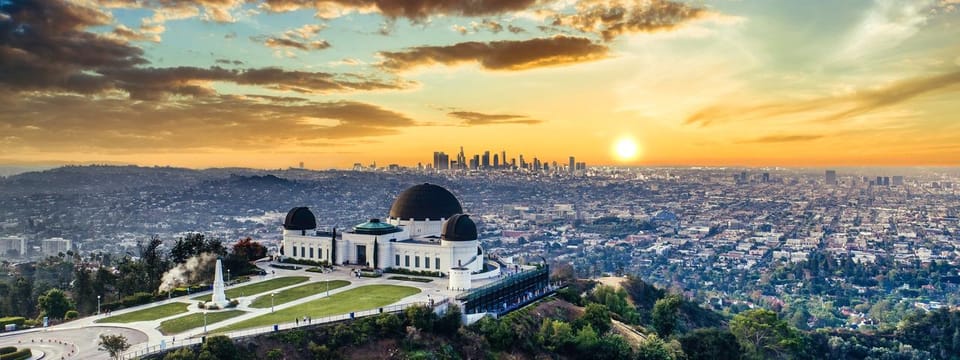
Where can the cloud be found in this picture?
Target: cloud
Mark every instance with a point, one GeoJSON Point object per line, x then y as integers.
{"type": "Point", "coordinates": [274, 42]}
{"type": "Point", "coordinates": [782, 138]}
{"type": "Point", "coordinates": [416, 10]}
{"type": "Point", "coordinates": [213, 10]}
{"type": "Point", "coordinates": [515, 29]}
{"type": "Point", "coordinates": [75, 123]}
{"type": "Point", "coordinates": [128, 34]}
{"type": "Point", "coordinates": [614, 18]}
{"type": "Point", "coordinates": [837, 107]}
{"type": "Point", "coordinates": [44, 46]}
{"type": "Point", "coordinates": [471, 118]}
{"type": "Point", "coordinates": [499, 55]}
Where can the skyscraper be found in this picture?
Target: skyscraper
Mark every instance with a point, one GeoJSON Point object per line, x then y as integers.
{"type": "Point", "coordinates": [573, 165]}
{"type": "Point", "coordinates": [831, 177]}
{"type": "Point", "coordinates": [486, 160]}
{"type": "Point", "coordinates": [496, 161]}
{"type": "Point", "coordinates": [461, 159]}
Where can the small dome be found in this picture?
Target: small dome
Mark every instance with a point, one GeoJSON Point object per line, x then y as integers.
{"type": "Point", "coordinates": [459, 228]}
{"type": "Point", "coordinates": [300, 218]}
{"type": "Point", "coordinates": [425, 201]}
{"type": "Point", "coordinates": [375, 227]}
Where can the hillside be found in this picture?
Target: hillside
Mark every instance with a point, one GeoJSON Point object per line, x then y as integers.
{"type": "Point", "coordinates": [559, 329]}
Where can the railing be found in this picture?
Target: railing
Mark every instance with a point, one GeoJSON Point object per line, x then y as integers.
{"type": "Point", "coordinates": [150, 349]}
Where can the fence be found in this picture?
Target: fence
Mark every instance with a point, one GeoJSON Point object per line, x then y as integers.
{"type": "Point", "coordinates": [150, 349]}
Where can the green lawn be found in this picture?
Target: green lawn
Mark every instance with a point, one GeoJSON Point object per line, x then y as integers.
{"type": "Point", "coordinates": [184, 323]}
{"type": "Point", "coordinates": [256, 288]}
{"type": "Point", "coordinates": [153, 313]}
{"type": "Point", "coordinates": [298, 292]}
{"type": "Point", "coordinates": [362, 298]}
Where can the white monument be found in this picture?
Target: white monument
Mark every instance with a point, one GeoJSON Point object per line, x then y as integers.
{"type": "Point", "coordinates": [219, 296]}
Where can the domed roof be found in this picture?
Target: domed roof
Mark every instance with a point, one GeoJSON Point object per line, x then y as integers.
{"type": "Point", "coordinates": [300, 218]}
{"type": "Point", "coordinates": [459, 228]}
{"type": "Point", "coordinates": [375, 227]}
{"type": "Point", "coordinates": [425, 201]}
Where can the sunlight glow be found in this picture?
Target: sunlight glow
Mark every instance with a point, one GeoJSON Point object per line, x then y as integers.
{"type": "Point", "coordinates": [625, 149]}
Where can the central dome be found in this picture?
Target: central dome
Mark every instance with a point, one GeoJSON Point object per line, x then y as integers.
{"type": "Point", "coordinates": [425, 201]}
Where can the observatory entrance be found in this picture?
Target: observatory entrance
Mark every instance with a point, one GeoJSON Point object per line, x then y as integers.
{"type": "Point", "coordinates": [509, 293]}
{"type": "Point", "coordinates": [362, 255]}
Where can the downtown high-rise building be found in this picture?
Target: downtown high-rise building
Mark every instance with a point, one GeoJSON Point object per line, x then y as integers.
{"type": "Point", "coordinates": [573, 165]}
{"type": "Point", "coordinates": [831, 177]}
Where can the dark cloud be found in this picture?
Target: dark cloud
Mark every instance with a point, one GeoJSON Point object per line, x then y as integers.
{"type": "Point", "coordinates": [44, 46]}
{"type": "Point", "coordinates": [841, 107]}
{"type": "Point", "coordinates": [411, 9]}
{"type": "Point", "coordinates": [613, 18]}
{"type": "Point", "coordinates": [499, 55]}
{"type": "Point", "coordinates": [515, 29]}
{"type": "Point", "coordinates": [228, 62]}
{"type": "Point", "coordinates": [783, 138]}
{"type": "Point", "coordinates": [475, 118]}
{"type": "Point", "coordinates": [275, 42]}
{"type": "Point", "coordinates": [76, 123]}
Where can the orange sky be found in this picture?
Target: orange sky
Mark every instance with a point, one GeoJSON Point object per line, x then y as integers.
{"type": "Point", "coordinates": [232, 83]}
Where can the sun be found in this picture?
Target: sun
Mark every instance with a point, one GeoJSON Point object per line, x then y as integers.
{"type": "Point", "coordinates": [625, 149]}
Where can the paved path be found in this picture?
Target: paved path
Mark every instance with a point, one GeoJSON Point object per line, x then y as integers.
{"type": "Point", "coordinates": [70, 343]}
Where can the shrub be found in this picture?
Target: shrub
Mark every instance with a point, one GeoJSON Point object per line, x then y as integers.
{"type": "Point", "coordinates": [18, 355]}
{"type": "Point", "coordinates": [232, 304]}
{"type": "Point", "coordinates": [18, 320]}
{"type": "Point", "coordinates": [7, 350]}
{"type": "Point", "coordinates": [201, 305]}
{"type": "Point", "coordinates": [139, 298]}
{"type": "Point", "coordinates": [285, 267]}
{"type": "Point", "coordinates": [412, 272]}
{"type": "Point", "coordinates": [71, 314]}
{"type": "Point", "coordinates": [322, 263]}
{"type": "Point", "coordinates": [213, 307]}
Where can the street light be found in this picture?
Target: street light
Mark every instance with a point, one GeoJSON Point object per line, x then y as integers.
{"type": "Point", "coordinates": [204, 322]}
{"type": "Point", "coordinates": [271, 300]}
{"type": "Point", "coordinates": [98, 304]}
{"type": "Point", "coordinates": [228, 275]}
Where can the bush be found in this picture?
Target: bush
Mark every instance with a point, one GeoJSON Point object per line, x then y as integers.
{"type": "Point", "coordinates": [406, 278]}
{"type": "Point", "coordinates": [18, 320]}
{"type": "Point", "coordinates": [139, 298]}
{"type": "Point", "coordinates": [322, 263]}
{"type": "Point", "coordinates": [412, 272]}
{"type": "Point", "coordinates": [70, 315]}
{"type": "Point", "coordinates": [201, 305]}
{"type": "Point", "coordinates": [7, 349]}
{"type": "Point", "coordinates": [232, 304]}
{"type": "Point", "coordinates": [285, 267]}
{"type": "Point", "coordinates": [18, 355]}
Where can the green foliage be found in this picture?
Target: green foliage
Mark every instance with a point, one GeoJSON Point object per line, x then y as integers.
{"type": "Point", "coordinates": [421, 317]}
{"type": "Point", "coordinates": [653, 348]}
{"type": "Point", "coordinates": [71, 314]}
{"type": "Point", "coordinates": [18, 320]}
{"type": "Point", "coordinates": [449, 322]}
{"type": "Point", "coordinates": [220, 347]}
{"type": "Point", "coordinates": [195, 244]}
{"type": "Point", "coordinates": [274, 354]}
{"type": "Point", "coordinates": [183, 353]}
{"type": "Point", "coordinates": [665, 314]}
{"type": "Point", "coordinates": [616, 301]}
{"type": "Point", "coordinates": [55, 303]}
{"type": "Point", "coordinates": [586, 339]}
{"type": "Point", "coordinates": [763, 335]}
{"type": "Point", "coordinates": [114, 345]}
{"type": "Point", "coordinates": [321, 352]}
{"type": "Point", "coordinates": [412, 272]}
{"type": "Point", "coordinates": [710, 344]}
{"type": "Point", "coordinates": [21, 354]}
{"type": "Point", "coordinates": [139, 298]}
{"type": "Point", "coordinates": [7, 350]}
{"type": "Point", "coordinates": [598, 317]}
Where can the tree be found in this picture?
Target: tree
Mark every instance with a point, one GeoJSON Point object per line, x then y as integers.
{"type": "Point", "coordinates": [710, 344]}
{"type": "Point", "coordinates": [763, 335]}
{"type": "Point", "coordinates": [219, 347]}
{"type": "Point", "coordinates": [153, 260]}
{"type": "Point", "coordinates": [421, 317]}
{"type": "Point", "coordinates": [653, 348]}
{"type": "Point", "coordinates": [665, 314]}
{"type": "Point", "coordinates": [193, 245]}
{"type": "Point", "coordinates": [597, 316]}
{"type": "Point", "coordinates": [249, 250]}
{"type": "Point", "coordinates": [114, 345]}
{"type": "Point", "coordinates": [55, 303]}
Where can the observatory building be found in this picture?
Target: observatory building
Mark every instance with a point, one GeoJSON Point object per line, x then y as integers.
{"type": "Point", "coordinates": [425, 230]}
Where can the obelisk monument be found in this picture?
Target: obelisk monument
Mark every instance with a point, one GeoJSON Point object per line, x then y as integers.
{"type": "Point", "coordinates": [219, 296]}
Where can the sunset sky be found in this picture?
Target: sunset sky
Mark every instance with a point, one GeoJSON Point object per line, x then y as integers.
{"type": "Point", "coordinates": [267, 84]}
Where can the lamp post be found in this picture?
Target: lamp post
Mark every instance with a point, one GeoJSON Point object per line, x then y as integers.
{"type": "Point", "coordinates": [228, 275]}
{"type": "Point", "coordinates": [271, 300]}
{"type": "Point", "coordinates": [204, 322]}
{"type": "Point", "coordinates": [98, 304]}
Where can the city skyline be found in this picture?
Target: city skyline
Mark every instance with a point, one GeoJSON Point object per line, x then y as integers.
{"type": "Point", "coordinates": [267, 84]}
